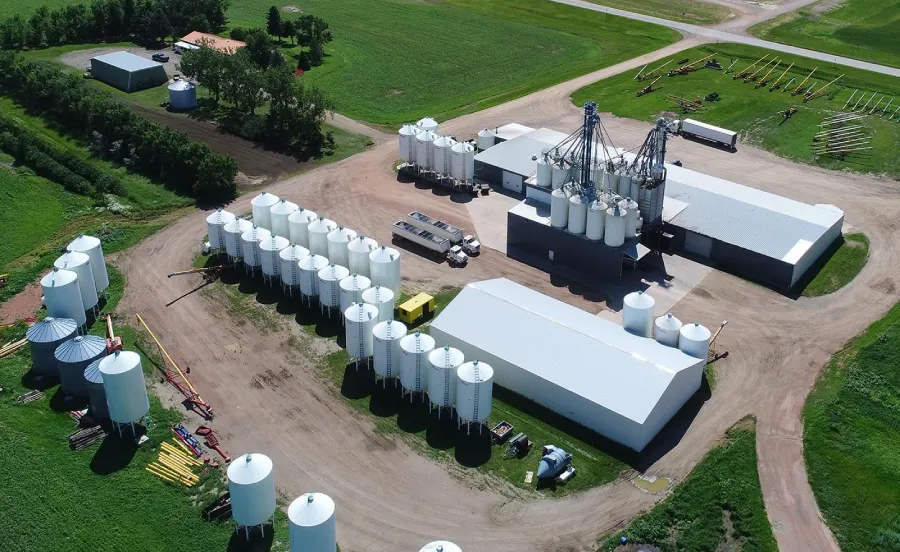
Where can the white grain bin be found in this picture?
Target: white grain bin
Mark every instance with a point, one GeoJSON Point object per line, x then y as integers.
{"type": "Point", "coordinates": [94, 249]}
{"type": "Point", "coordinates": [270, 255]}
{"type": "Point", "coordinates": [614, 234]}
{"type": "Point", "coordinates": [667, 330]}
{"type": "Point", "coordinates": [352, 288]}
{"type": "Point", "coordinates": [182, 95]}
{"type": "Point", "coordinates": [62, 295]}
{"type": "Point", "coordinates": [559, 208]}
{"type": "Point", "coordinates": [215, 228]}
{"type": "Point", "coordinates": [280, 214]}
{"type": "Point", "coordinates": [123, 382]}
{"type": "Point", "coordinates": [408, 143]}
{"type": "Point", "coordinates": [337, 245]}
{"type": "Point", "coordinates": [358, 252]}
{"type": "Point", "coordinates": [596, 218]}
{"type": "Point", "coordinates": [474, 392]}
{"type": "Point", "coordinates": [440, 546]}
{"type": "Point", "coordinates": [261, 204]}
{"type": "Point", "coordinates": [318, 231]}
{"type": "Point", "coordinates": [309, 274]}
{"type": "Point", "coordinates": [559, 176]}
{"type": "Point", "coordinates": [427, 124]}
{"type": "Point", "coordinates": [250, 246]}
{"type": "Point", "coordinates": [312, 527]}
{"type": "Point", "coordinates": [330, 285]}
{"type": "Point", "coordinates": [625, 185]}
{"type": "Point", "coordinates": [359, 322]}
{"type": "Point", "coordinates": [637, 313]}
{"type": "Point", "coordinates": [578, 208]}
{"type": "Point", "coordinates": [694, 340]}
{"type": "Point", "coordinates": [462, 161]}
{"type": "Point", "coordinates": [442, 379]}
{"type": "Point", "coordinates": [298, 224]}
{"type": "Point", "coordinates": [381, 298]}
{"type": "Point", "coordinates": [80, 264]}
{"type": "Point", "coordinates": [72, 357]}
{"type": "Point", "coordinates": [635, 193]}
{"type": "Point", "coordinates": [631, 215]}
{"type": "Point", "coordinates": [544, 172]}
{"type": "Point", "coordinates": [414, 367]}
{"type": "Point", "coordinates": [425, 149]}
{"type": "Point", "coordinates": [384, 268]}
{"type": "Point", "coordinates": [251, 482]}
{"type": "Point", "coordinates": [485, 139]}
{"type": "Point", "coordinates": [43, 339]}
{"type": "Point", "coordinates": [233, 232]}
{"type": "Point", "coordinates": [290, 258]}
{"type": "Point", "coordinates": [442, 157]}
{"type": "Point", "coordinates": [96, 393]}
{"type": "Point", "coordinates": [612, 183]}
{"type": "Point", "coordinates": [386, 352]}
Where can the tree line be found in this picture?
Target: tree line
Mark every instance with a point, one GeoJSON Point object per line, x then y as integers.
{"type": "Point", "coordinates": [116, 133]}
{"type": "Point", "coordinates": [310, 31]}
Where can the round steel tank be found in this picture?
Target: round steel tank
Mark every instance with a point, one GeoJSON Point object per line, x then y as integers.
{"type": "Point", "coordinates": [290, 258]}
{"type": "Point", "coordinates": [442, 157]}
{"type": "Point", "coordinates": [72, 357]}
{"type": "Point", "coordinates": [95, 391]}
{"type": "Point", "coordinates": [632, 211]}
{"type": "Point", "coordinates": [613, 182]}
{"type": "Point", "coordinates": [358, 253]}
{"type": "Point", "coordinates": [440, 546]}
{"type": "Point", "coordinates": [80, 264]}
{"type": "Point", "coordinates": [298, 224]}
{"type": "Point", "coordinates": [668, 330]}
{"type": "Point", "coordinates": [408, 143]}
{"type": "Point", "coordinates": [414, 368]}
{"type": "Point", "coordinates": [442, 379]}
{"type": "Point", "coordinates": [384, 268]}
{"type": "Point", "coordinates": [625, 185]}
{"type": "Point", "coordinates": [559, 208]}
{"type": "Point", "coordinates": [312, 526]}
{"type": "Point", "coordinates": [337, 241]}
{"type": "Point", "coordinates": [577, 214]}
{"type": "Point", "coordinates": [381, 298]}
{"type": "Point", "coordinates": [694, 340]}
{"type": "Point", "coordinates": [427, 124]}
{"type": "Point", "coordinates": [544, 172]}
{"type": "Point", "coordinates": [309, 274]}
{"type": "Point", "coordinates": [330, 285]}
{"type": "Point", "coordinates": [559, 175]}
{"type": "Point", "coordinates": [270, 250]}
{"type": "Point", "coordinates": [352, 288]}
{"type": "Point", "coordinates": [126, 391]}
{"type": "Point", "coordinates": [233, 231]}
{"type": "Point", "coordinates": [474, 391]}
{"type": "Point", "coordinates": [485, 139]}
{"type": "Point", "coordinates": [637, 313]}
{"type": "Point", "coordinates": [280, 214]}
{"type": "Point", "coordinates": [63, 296]}
{"type": "Point", "coordinates": [387, 353]}
{"type": "Point", "coordinates": [251, 482]}
{"type": "Point", "coordinates": [43, 339]}
{"type": "Point", "coordinates": [215, 228]}
{"type": "Point", "coordinates": [462, 161]}
{"type": "Point", "coordinates": [318, 231]}
{"type": "Point", "coordinates": [614, 234]}
{"type": "Point", "coordinates": [250, 245]}
{"type": "Point", "coordinates": [261, 204]}
{"type": "Point", "coordinates": [596, 217]}
{"type": "Point", "coordinates": [182, 95]}
{"type": "Point", "coordinates": [425, 149]}
{"type": "Point", "coordinates": [94, 249]}
{"type": "Point", "coordinates": [359, 323]}
{"type": "Point", "coordinates": [635, 189]}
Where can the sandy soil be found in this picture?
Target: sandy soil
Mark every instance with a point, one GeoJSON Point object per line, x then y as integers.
{"type": "Point", "coordinates": [22, 305]}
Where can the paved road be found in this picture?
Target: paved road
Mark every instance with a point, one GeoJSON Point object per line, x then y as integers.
{"type": "Point", "coordinates": [725, 36]}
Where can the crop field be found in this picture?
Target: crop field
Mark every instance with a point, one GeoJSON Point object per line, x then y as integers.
{"type": "Point", "coordinates": [841, 267]}
{"type": "Point", "coordinates": [755, 113]}
{"type": "Point", "coordinates": [851, 427]}
{"type": "Point", "coordinates": [860, 29]}
{"type": "Point", "coordinates": [697, 12]}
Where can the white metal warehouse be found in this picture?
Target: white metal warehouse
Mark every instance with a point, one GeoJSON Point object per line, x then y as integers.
{"type": "Point", "coordinates": [578, 365]}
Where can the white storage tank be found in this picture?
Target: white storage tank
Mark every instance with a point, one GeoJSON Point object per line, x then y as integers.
{"type": "Point", "coordinates": [330, 285]}
{"type": "Point", "coordinates": [442, 157]}
{"type": "Point", "coordinates": [93, 248]}
{"type": "Point", "coordinates": [559, 208]}
{"type": "Point", "coordinates": [182, 95]}
{"type": "Point", "coordinates": [631, 215]}
{"type": "Point", "coordinates": [425, 149]}
{"type": "Point", "coordinates": [387, 353]}
{"type": "Point", "coordinates": [337, 245]}
{"type": "Point", "coordinates": [384, 268]}
{"type": "Point", "coordinates": [270, 250]}
{"type": "Point", "coordinates": [62, 295]}
{"type": "Point", "coordinates": [250, 245]}
{"type": "Point", "coordinates": [298, 224]}
{"type": "Point", "coordinates": [72, 357]}
{"type": "Point", "coordinates": [462, 161]}
{"type": "Point", "coordinates": [635, 189]}
{"type": "Point", "coordinates": [474, 392]}
{"type": "Point", "coordinates": [559, 176]}
{"type": "Point", "coordinates": [318, 231]}
{"type": "Point", "coordinates": [613, 182]}
{"type": "Point", "coordinates": [414, 367]}
{"type": "Point", "coordinates": [381, 298]}
{"type": "Point", "coordinates": [359, 323]}
{"type": "Point", "coordinates": [358, 252]}
{"type": "Point", "coordinates": [485, 139]}
{"type": "Point", "coordinates": [614, 233]}
{"type": "Point", "coordinates": [668, 330]}
{"type": "Point", "coordinates": [440, 546]}
{"type": "Point", "coordinates": [625, 185]}
{"type": "Point", "coordinates": [312, 526]}
{"type": "Point", "coordinates": [309, 274]}
{"type": "Point", "coordinates": [95, 391]}
{"type": "Point", "coordinates": [427, 124]}
{"type": "Point", "coordinates": [261, 205]}
{"type": "Point", "coordinates": [596, 217]}
{"type": "Point", "coordinates": [123, 382]}
{"type": "Point", "coordinates": [694, 340]}
{"type": "Point", "coordinates": [280, 214]}
{"type": "Point", "coordinates": [43, 339]}
{"type": "Point", "coordinates": [80, 264]}
{"type": "Point", "coordinates": [251, 482]}
{"type": "Point", "coordinates": [233, 231]}
{"type": "Point", "coordinates": [442, 378]}
{"type": "Point", "coordinates": [544, 172]}
{"type": "Point", "coordinates": [352, 288]}
{"type": "Point", "coordinates": [290, 258]}
{"type": "Point", "coordinates": [578, 205]}
{"type": "Point", "coordinates": [408, 143]}
{"type": "Point", "coordinates": [637, 313]}
{"type": "Point", "coordinates": [215, 228]}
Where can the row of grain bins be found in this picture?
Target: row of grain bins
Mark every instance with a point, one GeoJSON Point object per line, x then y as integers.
{"type": "Point", "coordinates": [78, 279]}
{"type": "Point", "coordinates": [422, 147]}
{"type": "Point", "coordinates": [608, 217]}
{"type": "Point", "coordinates": [637, 318]}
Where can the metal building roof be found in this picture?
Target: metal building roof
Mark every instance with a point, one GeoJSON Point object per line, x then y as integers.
{"type": "Point", "coordinates": [515, 156]}
{"type": "Point", "coordinates": [127, 61]}
{"type": "Point", "coordinates": [510, 131]}
{"type": "Point", "coordinates": [573, 349]}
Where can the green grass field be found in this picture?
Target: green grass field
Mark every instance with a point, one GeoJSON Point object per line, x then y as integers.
{"type": "Point", "coordinates": [860, 29]}
{"type": "Point", "coordinates": [697, 12]}
{"type": "Point", "coordinates": [841, 267]}
{"type": "Point", "coordinates": [851, 427]}
{"type": "Point", "coordinates": [719, 507]}
{"type": "Point", "coordinates": [755, 113]}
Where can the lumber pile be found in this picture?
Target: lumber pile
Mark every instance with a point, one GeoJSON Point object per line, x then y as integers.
{"type": "Point", "coordinates": [12, 347]}
{"type": "Point", "coordinates": [83, 438]}
{"type": "Point", "coordinates": [29, 397]}
{"type": "Point", "coordinates": [175, 464]}
{"type": "Point", "coordinates": [219, 508]}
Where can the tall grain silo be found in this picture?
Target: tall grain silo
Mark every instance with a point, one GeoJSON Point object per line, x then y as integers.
{"type": "Point", "coordinates": [427, 124]}
{"type": "Point", "coordinates": [408, 143]}
{"type": "Point", "coordinates": [474, 392]}
{"type": "Point", "coordinates": [72, 357]}
{"type": "Point", "coordinates": [280, 214]}
{"type": "Point", "coordinates": [386, 351]}
{"type": "Point", "coordinates": [614, 234]}
{"type": "Point", "coordinates": [43, 339]}
{"type": "Point", "coordinates": [233, 231]}
{"type": "Point", "coordinates": [358, 255]}
{"type": "Point", "coordinates": [694, 340]}
{"type": "Point", "coordinates": [425, 150]}
{"type": "Point", "coordinates": [298, 225]}
{"type": "Point", "coordinates": [485, 139]}
{"type": "Point", "coordinates": [596, 218]}
{"type": "Point", "coordinates": [80, 264]}
{"type": "Point", "coordinates": [359, 323]}
{"type": "Point", "coordinates": [559, 208]}
{"type": "Point", "coordinates": [251, 482]}
{"type": "Point", "coordinates": [578, 207]}
{"type": "Point", "coordinates": [667, 330]}
{"type": "Point", "coordinates": [442, 377]}
{"type": "Point", "coordinates": [631, 215]}
{"type": "Point", "coordinates": [544, 177]}
{"type": "Point", "coordinates": [290, 258]}
{"type": "Point", "coordinates": [126, 390]}
{"type": "Point", "coordinates": [318, 231]}
{"type": "Point", "coordinates": [637, 313]}
{"type": "Point", "coordinates": [381, 298]}
{"type": "Point", "coordinates": [312, 524]}
{"type": "Point", "coordinates": [94, 249]}
{"type": "Point", "coordinates": [559, 174]}
{"type": "Point", "coordinates": [338, 239]}
{"type": "Point", "coordinates": [250, 247]}
{"type": "Point", "coordinates": [384, 268]}
{"type": "Point", "coordinates": [270, 256]}
{"type": "Point", "coordinates": [414, 367]}
{"type": "Point", "coordinates": [261, 205]}
{"type": "Point", "coordinates": [442, 158]}
{"type": "Point", "coordinates": [215, 228]}
{"type": "Point", "coordinates": [63, 296]}
{"type": "Point", "coordinates": [352, 288]}
{"type": "Point", "coordinates": [309, 275]}
{"type": "Point", "coordinates": [330, 286]}
{"type": "Point", "coordinates": [462, 161]}
{"type": "Point", "coordinates": [95, 391]}
{"type": "Point", "coordinates": [440, 546]}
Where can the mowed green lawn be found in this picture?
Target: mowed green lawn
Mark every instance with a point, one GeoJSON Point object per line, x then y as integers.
{"type": "Point", "coordinates": [860, 29]}
{"type": "Point", "coordinates": [841, 267]}
{"type": "Point", "coordinates": [755, 112]}
{"type": "Point", "coordinates": [851, 431]}
{"type": "Point", "coordinates": [697, 12]}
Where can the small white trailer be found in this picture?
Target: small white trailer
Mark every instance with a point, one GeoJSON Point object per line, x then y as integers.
{"type": "Point", "coordinates": [435, 226]}
{"type": "Point", "coordinates": [690, 127]}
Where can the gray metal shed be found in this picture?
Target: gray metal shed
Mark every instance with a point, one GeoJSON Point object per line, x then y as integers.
{"type": "Point", "coordinates": [127, 71]}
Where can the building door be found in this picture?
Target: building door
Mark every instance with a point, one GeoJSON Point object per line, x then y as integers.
{"type": "Point", "coordinates": [512, 182]}
{"type": "Point", "coordinates": [698, 244]}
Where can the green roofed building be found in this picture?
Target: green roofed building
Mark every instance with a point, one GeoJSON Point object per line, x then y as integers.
{"type": "Point", "coordinates": [127, 71]}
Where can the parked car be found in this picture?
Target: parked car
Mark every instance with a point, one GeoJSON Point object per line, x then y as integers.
{"type": "Point", "coordinates": [160, 57]}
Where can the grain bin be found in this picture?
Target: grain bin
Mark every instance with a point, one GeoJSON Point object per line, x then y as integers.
{"type": "Point", "coordinates": [442, 378]}
{"type": "Point", "coordinates": [381, 298]}
{"type": "Point", "coordinates": [309, 275]}
{"type": "Point", "coordinates": [270, 260]}
{"type": "Point", "coordinates": [624, 185]}
{"type": "Point", "coordinates": [694, 340]}
{"type": "Point", "coordinates": [631, 215]}
{"type": "Point", "coordinates": [668, 330]}
{"type": "Point", "coordinates": [559, 175]}
{"type": "Point", "coordinates": [330, 286]}
{"type": "Point", "coordinates": [215, 228]}
{"type": "Point", "coordinates": [462, 161]}
{"type": "Point", "coordinates": [94, 249]}
{"type": "Point", "coordinates": [384, 268]}
{"type": "Point", "coordinates": [442, 157]}
{"type": "Point", "coordinates": [485, 139]}
{"type": "Point", "coordinates": [614, 233]}
{"type": "Point", "coordinates": [250, 246]}
{"type": "Point", "coordinates": [261, 205]}
{"type": "Point", "coordinates": [337, 241]}
{"type": "Point", "coordinates": [427, 124]}
{"type": "Point", "coordinates": [359, 322]}
{"type": "Point", "coordinates": [72, 357]}
{"type": "Point", "coordinates": [95, 391]}
{"type": "Point", "coordinates": [559, 209]}
{"type": "Point", "coordinates": [312, 525]}
{"type": "Point", "coordinates": [280, 214]}
{"type": "Point", "coordinates": [80, 264]}
{"type": "Point", "coordinates": [440, 546]}
{"type": "Point", "coordinates": [577, 220]}
{"type": "Point", "coordinates": [251, 482]}
{"type": "Point", "coordinates": [408, 143]}
{"type": "Point", "coordinates": [123, 382]}
{"type": "Point", "coordinates": [43, 339]}
{"type": "Point", "coordinates": [358, 252]}
{"type": "Point", "coordinates": [596, 218]}
{"type": "Point", "coordinates": [475, 381]}
{"type": "Point", "coordinates": [233, 231]}
{"type": "Point", "coordinates": [637, 313]}
{"type": "Point", "coordinates": [544, 172]}
{"type": "Point", "coordinates": [182, 95]}
{"type": "Point", "coordinates": [290, 257]}
{"type": "Point", "coordinates": [386, 351]}
{"type": "Point", "coordinates": [318, 231]}
{"type": "Point", "coordinates": [298, 224]}
{"type": "Point", "coordinates": [414, 367]}
{"type": "Point", "coordinates": [425, 149]}
{"type": "Point", "coordinates": [352, 288]}
{"type": "Point", "coordinates": [62, 295]}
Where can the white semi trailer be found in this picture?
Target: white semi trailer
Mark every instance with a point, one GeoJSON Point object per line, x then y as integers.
{"type": "Point", "coordinates": [435, 226]}
{"type": "Point", "coordinates": [690, 127]}
{"type": "Point", "coordinates": [441, 246]}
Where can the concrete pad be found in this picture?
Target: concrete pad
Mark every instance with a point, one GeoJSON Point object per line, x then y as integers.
{"type": "Point", "coordinates": [488, 214]}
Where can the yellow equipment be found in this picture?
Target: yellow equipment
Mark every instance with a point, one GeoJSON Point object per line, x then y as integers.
{"type": "Point", "coordinates": [752, 76]}
{"type": "Point", "coordinates": [821, 91]}
{"type": "Point", "coordinates": [765, 78]}
{"type": "Point", "coordinates": [746, 71]}
{"type": "Point", "coordinates": [417, 307]}
{"type": "Point", "coordinates": [799, 88]}
{"type": "Point", "coordinates": [777, 82]}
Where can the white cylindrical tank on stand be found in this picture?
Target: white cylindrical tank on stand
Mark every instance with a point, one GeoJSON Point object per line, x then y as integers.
{"type": "Point", "coordinates": [94, 249]}
{"type": "Point", "coordinates": [309, 274]}
{"type": "Point", "coordinates": [667, 330]}
{"type": "Point", "coordinates": [637, 313]}
{"type": "Point", "coordinates": [442, 378]}
{"type": "Point", "coordinates": [425, 149]}
{"type": "Point", "coordinates": [233, 232]}
{"type": "Point", "coordinates": [352, 288]}
{"type": "Point", "coordinates": [440, 546]}
{"type": "Point", "coordinates": [63, 296]}
{"type": "Point", "coordinates": [312, 526]}
{"type": "Point", "coordinates": [544, 172]}
{"type": "Point", "coordinates": [635, 189]}
{"type": "Point", "coordinates": [485, 139]}
{"type": "Point", "coordinates": [474, 391]}
{"type": "Point", "coordinates": [596, 217]}
{"type": "Point", "coordinates": [182, 95]}
{"type": "Point", "coordinates": [270, 255]}
{"type": "Point", "coordinates": [442, 156]}
{"type": "Point", "coordinates": [251, 482]}
{"type": "Point", "coordinates": [215, 228]}
{"type": "Point", "coordinates": [358, 254]}
{"type": "Point", "coordinates": [261, 204]}
{"type": "Point", "coordinates": [126, 391]}
{"type": "Point", "coordinates": [359, 323]}
{"type": "Point", "coordinates": [330, 285]}
{"type": "Point", "coordinates": [384, 268]}
{"type": "Point", "coordinates": [280, 214]}
{"type": "Point", "coordinates": [387, 352]}
{"type": "Point", "coordinates": [694, 340]}
{"type": "Point", "coordinates": [80, 264]}
{"type": "Point", "coordinates": [95, 391]}
{"type": "Point", "coordinates": [414, 367]}
{"type": "Point", "coordinates": [462, 164]}
{"type": "Point", "coordinates": [625, 185]}
{"type": "Point", "coordinates": [614, 233]}
{"type": "Point", "coordinates": [381, 298]}
{"type": "Point", "coordinates": [559, 208]}
{"type": "Point", "coordinates": [408, 143]}
{"type": "Point", "coordinates": [559, 175]}
{"type": "Point", "coordinates": [290, 258]}
{"type": "Point", "coordinates": [43, 338]}
{"type": "Point", "coordinates": [632, 211]}
{"type": "Point", "coordinates": [337, 245]}
{"type": "Point", "coordinates": [427, 124]}
{"type": "Point", "coordinates": [250, 245]}
{"type": "Point", "coordinates": [72, 357]}
{"type": "Point", "coordinates": [298, 224]}
{"type": "Point", "coordinates": [318, 231]}
{"type": "Point", "coordinates": [578, 205]}
{"type": "Point", "coordinates": [613, 182]}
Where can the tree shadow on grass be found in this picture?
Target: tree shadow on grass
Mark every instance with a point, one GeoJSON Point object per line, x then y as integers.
{"type": "Point", "coordinates": [257, 543]}
{"type": "Point", "coordinates": [114, 454]}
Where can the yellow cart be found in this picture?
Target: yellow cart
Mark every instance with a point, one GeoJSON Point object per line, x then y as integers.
{"type": "Point", "coordinates": [417, 307]}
